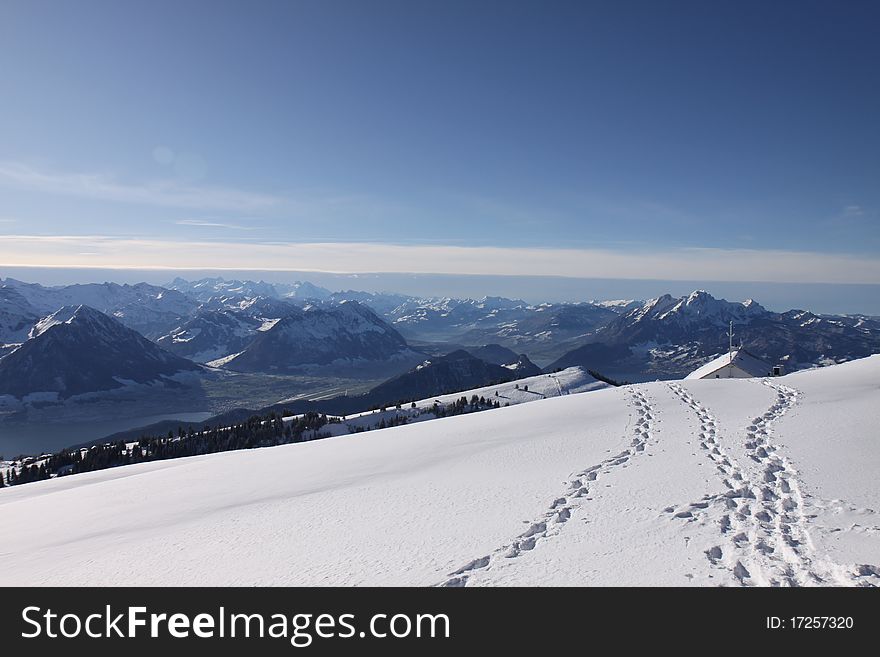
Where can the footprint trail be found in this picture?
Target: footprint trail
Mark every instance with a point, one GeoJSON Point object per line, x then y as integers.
{"type": "Point", "coordinates": [569, 501]}
{"type": "Point", "coordinates": [763, 535]}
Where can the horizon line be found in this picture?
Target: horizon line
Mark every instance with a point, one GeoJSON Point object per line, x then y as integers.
{"type": "Point", "coordinates": [674, 264]}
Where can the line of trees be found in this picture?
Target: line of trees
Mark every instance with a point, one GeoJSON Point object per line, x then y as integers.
{"type": "Point", "coordinates": [256, 431]}
{"type": "Point", "coordinates": [463, 405]}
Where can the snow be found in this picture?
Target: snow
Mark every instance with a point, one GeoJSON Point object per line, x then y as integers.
{"type": "Point", "coordinates": [268, 323]}
{"type": "Point", "coordinates": [693, 483]}
{"type": "Point", "coordinates": [185, 335]}
{"type": "Point", "coordinates": [220, 362]}
{"type": "Point", "coordinates": [570, 381]}
{"type": "Point", "coordinates": [65, 315]}
{"type": "Point", "coordinates": [618, 305]}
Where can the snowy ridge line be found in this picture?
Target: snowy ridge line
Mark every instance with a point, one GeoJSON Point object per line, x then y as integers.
{"type": "Point", "coordinates": [763, 524]}
{"type": "Point", "coordinates": [561, 509]}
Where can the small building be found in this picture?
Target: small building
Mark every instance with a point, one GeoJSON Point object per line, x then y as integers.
{"type": "Point", "coordinates": [738, 364]}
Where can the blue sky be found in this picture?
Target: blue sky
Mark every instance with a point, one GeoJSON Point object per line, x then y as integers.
{"type": "Point", "coordinates": [677, 140]}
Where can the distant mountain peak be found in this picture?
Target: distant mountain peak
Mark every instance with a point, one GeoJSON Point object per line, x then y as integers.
{"type": "Point", "coordinates": [699, 296]}
{"type": "Point", "coordinates": [77, 350]}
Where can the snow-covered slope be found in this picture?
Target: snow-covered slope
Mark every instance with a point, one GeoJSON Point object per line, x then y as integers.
{"type": "Point", "coordinates": [728, 482]}
{"type": "Point", "coordinates": [510, 393]}
{"type": "Point", "coordinates": [521, 391]}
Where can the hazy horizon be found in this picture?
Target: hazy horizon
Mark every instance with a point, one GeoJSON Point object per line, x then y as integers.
{"type": "Point", "coordinates": [819, 298]}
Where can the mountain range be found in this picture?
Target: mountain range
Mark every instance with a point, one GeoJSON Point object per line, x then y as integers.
{"type": "Point", "coordinates": [207, 288]}
{"type": "Point", "coordinates": [669, 337]}
{"type": "Point", "coordinates": [516, 324]}
{"type": "Point", "coordinates": [107, 335]}
{"type": "Point", "coordinates": [150, 310]}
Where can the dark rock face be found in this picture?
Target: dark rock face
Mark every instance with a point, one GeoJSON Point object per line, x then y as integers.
{"type": "Point", "coordinates": [451, 373]}
{"type": "Point", "coordinates": [595, 356]}
{"type": "Point", "coordinates": [493, 353]}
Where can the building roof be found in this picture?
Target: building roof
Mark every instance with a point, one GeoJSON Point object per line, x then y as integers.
{"type": "Point", "coordinates": [741, 359]}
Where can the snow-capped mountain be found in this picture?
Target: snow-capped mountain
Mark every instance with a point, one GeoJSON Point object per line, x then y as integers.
{"type": "Point", "coordinates": [670, 336]}
{"type": "Point", "coordinates": [447, 318]}
{"type": "Point", "coordinates": [670, 319]}
{"type": "Point", "coordinates": [620, 306]}
{"type": "Point", "coordinates": [541, 329]}
{"type": "Point", "coordinates": [206, 288]}
{"type": "Point", "coordinates": [345, 334]}
{"type": "Point", "coordinates": [382, 303]}
{"type": "Point", "coordinates": [511, 323]}
{"type": "Point", "coordinates": [302, 291]}
{"type": "Point", "coordinates": [79, 350]}
{"type": "Point", "coordinates": [150, 310]}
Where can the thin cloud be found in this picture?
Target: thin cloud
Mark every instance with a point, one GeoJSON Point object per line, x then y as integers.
{"type": "Point", "coordinates": [159, 193]}
{"type": "Point", "coordinates": [213, 224]}
{"type": "Point", "coordinates": [853, 215]}
{"type": "Point", "coordinates": [686, 264]}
